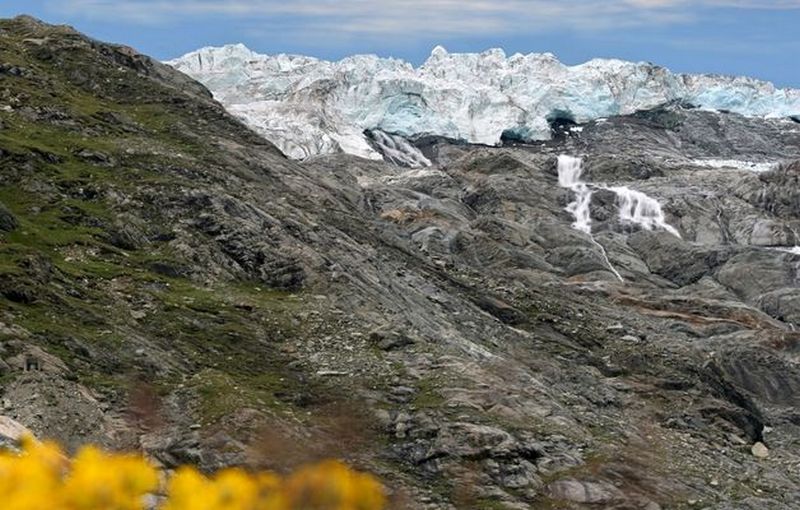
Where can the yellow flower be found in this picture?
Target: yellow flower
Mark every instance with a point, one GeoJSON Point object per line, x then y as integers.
{"type": "Point", "coordinates": [333, 486]}
{"type": "Point", "coordinates": [31, 481]}
{"type": "Point", "coordinates": [42, 478]}
{"type": "Point", "coordinates": [188, 490]}
{"type": "Point", "coordinates": [108, 482]}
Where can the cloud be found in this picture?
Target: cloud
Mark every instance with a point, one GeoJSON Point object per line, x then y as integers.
{"type": "Point", "coordinates": [441, 18]}
{"type": "Point", "coordinates": [741, 4]}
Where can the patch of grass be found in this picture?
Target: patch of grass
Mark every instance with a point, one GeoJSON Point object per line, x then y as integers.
{"type": "Point", "coordinates": [489, 504]}
{"type": "Point", "coordinates": [46, 226]}
{"type": "Point", "coordinates": [7, 378]}
{"type": "Point", "coordinates": [222, 393]}
{"type": "Point", "coordinates": [547, 503]}
{"type": "Point", "coordinates": [232, 333]}
{"type": "Point", "coordinates": [11, 255]}
{"type": "Point", "coordinates": [427, 395]}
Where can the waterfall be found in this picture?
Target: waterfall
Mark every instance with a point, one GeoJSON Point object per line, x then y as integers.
{"type": "Point", "coordinates": [569, 176]}
{"type": "Point", "coordinates": [634, 206]}
{"type": "Point", "coordinates": [398, 150]}
{"type": "Point", "coordinates": [796, 249]}
{"type": "Point", "coordinates": [637, 208]}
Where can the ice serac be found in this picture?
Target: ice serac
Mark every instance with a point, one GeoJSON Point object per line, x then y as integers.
{"type": "Point", "coordinates": [308, 106]}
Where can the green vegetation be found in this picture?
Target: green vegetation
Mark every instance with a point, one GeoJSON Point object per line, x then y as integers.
{"type": "Point", "coordinates": [490, 504]}
{"type": "Point", "coordinates": [221, 394]}
{"type": "Point", "coordinates": [91, 153]}
{"type": "Point", "coordinates": [427, 395]}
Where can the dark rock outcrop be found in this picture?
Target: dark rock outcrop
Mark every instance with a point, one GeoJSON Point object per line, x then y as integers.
{"type": "Point", "coordinates": [170, 282]}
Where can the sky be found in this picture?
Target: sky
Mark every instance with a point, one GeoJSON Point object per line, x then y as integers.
{"type": "Point", "coordinates": [740, 37]}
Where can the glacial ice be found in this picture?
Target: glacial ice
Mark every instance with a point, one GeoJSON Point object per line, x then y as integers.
{"type": "Point", "coordinates": [308, 106]}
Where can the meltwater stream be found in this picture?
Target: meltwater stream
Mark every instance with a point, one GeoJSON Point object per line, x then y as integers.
{"type": "Point", "coordinates": [569, 176]}
{"type": "Point", "coordinates": [794, 250]}
{"type": "Point", "coordinates": [634, 206]}
{"type": "Point", "coordinates": [398, 150]}
{"type": "Point", "coordinates": [637, 208]}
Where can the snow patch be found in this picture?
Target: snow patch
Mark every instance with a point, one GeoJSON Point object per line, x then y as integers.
{"type": "Point", "coordinates": [750, 166]}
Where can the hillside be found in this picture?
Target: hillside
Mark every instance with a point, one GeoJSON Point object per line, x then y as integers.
{"type": "Point", "coordinates": [173, 283]}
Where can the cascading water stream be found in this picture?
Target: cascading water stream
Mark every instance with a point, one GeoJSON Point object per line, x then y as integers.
{"type": "Point", "coordinates": [398, 150]}
{"type": "Point", "coordinates": [569, 176]}
{"type": "Point", "coordinates": [635, 207]}
{"type": "Point", "coordinates": [796, 249]}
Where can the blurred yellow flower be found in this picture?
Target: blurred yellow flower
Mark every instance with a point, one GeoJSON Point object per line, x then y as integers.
{"type": "Point", "coordinates": [102, 481]}
{"type": "Point", "coordinates": [42, 478]}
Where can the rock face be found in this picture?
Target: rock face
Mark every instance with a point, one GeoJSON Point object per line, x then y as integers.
{"type": "Point", "coordinates": [309, 107]}
{"type": "Point", "coordinates": [11, 432]}
{"type": "Point", "coordinates": [7, 220]}
{"type": "Point", "coordinates": [175, 284]}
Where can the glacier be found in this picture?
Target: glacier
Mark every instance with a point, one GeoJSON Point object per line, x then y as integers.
{"type": "Point", "coordinates": [310, 107]}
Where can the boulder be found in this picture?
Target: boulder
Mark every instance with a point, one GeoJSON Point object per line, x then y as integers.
{"type": "Point", "coordinates": [760, 451]}
{"type": "Point", "coordinates": [782, 304]}
{"type": "Point", "coordinates": [591, 493]}
{"type": "Point", "coordinates": [672, 258]}
{"type": "Point", "coordinates": [11, 432]}
{"type": "Point", "coordinates": [388, 338]}
{"type": "Point", "coordinates": [8, 222]}
{"type": "Point", "coordinates": [756, 272]}
{"type": "Point", "coordinates": [768, 232]}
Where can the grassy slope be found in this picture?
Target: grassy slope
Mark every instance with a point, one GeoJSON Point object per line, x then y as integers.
{"type": "Point", "coordinates": [82, 137]}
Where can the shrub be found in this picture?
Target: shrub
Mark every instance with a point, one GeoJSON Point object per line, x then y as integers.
{"type": "Point", "coordinates": [42, 478]}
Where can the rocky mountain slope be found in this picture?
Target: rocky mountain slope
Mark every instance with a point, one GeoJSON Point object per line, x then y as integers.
{"type": "Point", "coordinates": [170, 282]}
{"type": "Point", "coordinates": [308, 106]}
